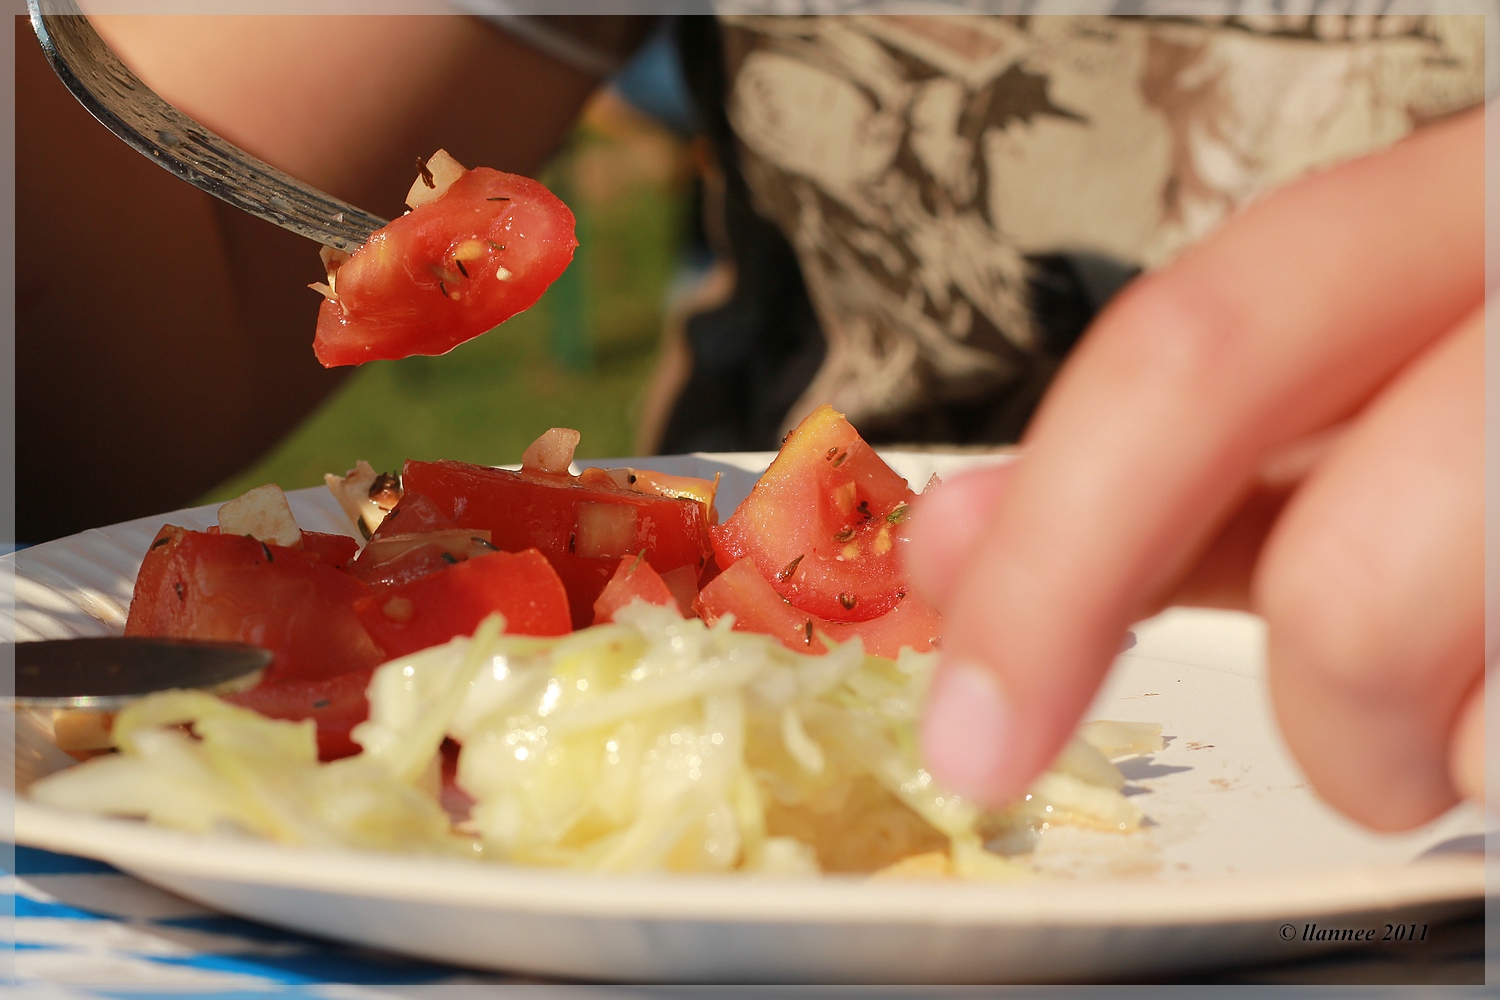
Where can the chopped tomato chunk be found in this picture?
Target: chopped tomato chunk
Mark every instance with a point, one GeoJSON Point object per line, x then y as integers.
{"type": "Point", "coordinates": [741, 591]}
{"type": "Point", "coordinates": [337, 551]}
{"type": "Point", "coordinates": [198, 585]}
{"type": "Point", "coordinates": [582, 530]}
{"type": "Point", "coordinates": [634, 580]}
{"type": "Point", "coordinates": [683, 584]}
{"type": "Point", "coordinates": [822, 524]}
{"type": "Point", "coordinates": [433, 609]}
{"type": "Point", "coordinates": [412, 514]}
{"type": "Point", "coordinates": [337, 704]}
{"type": "Point", "coordinates": [412, 564]}
{"type": "Point", "coordinates": [447, 271]}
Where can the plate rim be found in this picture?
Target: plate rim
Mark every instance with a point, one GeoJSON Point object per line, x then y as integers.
{"type": "Point", "coordinates": [1118, 901]}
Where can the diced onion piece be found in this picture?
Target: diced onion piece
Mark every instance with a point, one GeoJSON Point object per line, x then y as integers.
{"type": "Point", "coordinates": [605, 529]}
{"type": "Point", "coordinates": [444, 170]}
{"type": "Point", "coordinates": [264, 514]}
{"type": "Point", "coordinates": [457, 542]}
{"type": "Point", "coordinates": [365, 495]}
{"type": "Point", "coordinates": [1122, 739]}
{"type": "Point", "coordinates": [1063, 798]}
{"type": "Point", "coordinates": [552, 452]}
{"type": "Point", "coordinates": [332, 260]}
{"type": "Point", "coordinates": [469, 250]}
{"type": "Point", "coordinates": [1087, 763]}
{"type": "Point", "coordinates": [661, 484]}
{"type": "Point", "coordinates": [79, 730]}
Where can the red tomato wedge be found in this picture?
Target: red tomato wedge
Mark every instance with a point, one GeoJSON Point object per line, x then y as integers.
{"type": "Point", "coordinates": [413, 540]}
{"type": "Point", "coordinates": [447, 271]}
{"type": "Point", "coordinates": [821, 525]}
{"type": "Point", "coordinates": [412, 514]}
{"type": "Point", "coordinates": [741, 591]}
{"type": "Point", "coordinates": [336, 704]}
{"type": "Point", "coordinates": [413, 564]}
{"type": "Point", "coordinates": [433, 609]}
{"type": "Point", "coordinates": [193, 584]}
{"type": "Point", "coordinates": [582, 530]}
{"type": "Point", "coordinates": [337, 551]}
{"type": "Point", "coordinates": [634, 580]}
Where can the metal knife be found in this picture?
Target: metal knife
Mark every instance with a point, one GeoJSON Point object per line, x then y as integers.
{"type": "Point", "coordinates": [105, 673]}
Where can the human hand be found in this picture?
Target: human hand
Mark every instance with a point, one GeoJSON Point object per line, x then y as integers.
{"type": "Point", "coordinates": [1287, 418]}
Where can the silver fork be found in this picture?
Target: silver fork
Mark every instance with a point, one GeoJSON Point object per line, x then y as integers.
{"type": "Point", "coordinates": [131, 110]}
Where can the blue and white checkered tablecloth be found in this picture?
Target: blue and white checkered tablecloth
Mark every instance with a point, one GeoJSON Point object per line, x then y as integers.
{"type": "Point", "coordinates": [85, 929]}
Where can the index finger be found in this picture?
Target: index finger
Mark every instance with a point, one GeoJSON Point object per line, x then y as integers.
{"type": "Point", "coordinates": [1282, 323]}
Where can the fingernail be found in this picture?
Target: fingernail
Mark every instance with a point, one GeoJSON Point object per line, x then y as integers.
{"type": "Point", "coordinates": [967, 731]}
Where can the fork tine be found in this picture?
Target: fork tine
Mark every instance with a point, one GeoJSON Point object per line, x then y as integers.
{"type": "Point", "coordinates": [132, 111]}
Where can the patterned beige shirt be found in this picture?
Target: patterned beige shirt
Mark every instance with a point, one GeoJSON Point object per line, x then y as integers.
{"type": "Point", "coordinates": [916, 161]}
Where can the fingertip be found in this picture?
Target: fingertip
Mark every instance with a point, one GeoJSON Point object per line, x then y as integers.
{"type": "Point", "coordinates": [968, 731]}
{"type": "Point", "coordinates": [1466, 752]}
{"type": "Point", "coordinates": [944, 524]}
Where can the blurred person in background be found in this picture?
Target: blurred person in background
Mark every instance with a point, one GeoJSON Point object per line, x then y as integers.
{"type": "Point", "coordinates": [918, 217]}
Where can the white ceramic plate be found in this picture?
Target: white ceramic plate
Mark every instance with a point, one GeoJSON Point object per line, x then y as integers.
{"type": "Point", "coordinates": [1247, 855]}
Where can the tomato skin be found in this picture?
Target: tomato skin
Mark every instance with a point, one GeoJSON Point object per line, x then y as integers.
{"type": "Point", "coordinates": [412, 514]}
{"type": "Point", "coordinates": [541, 511]}
{"type": "Point", "coordinates": [148, 614]}
{"type": "Point", "coordinates": [741, 590]}
{"type": "Point", "coordinates": [337, 704]}
{"type": "Point", "coordinates": [912, 622]}
{"type": "Point", "coordinates": [199, 585]}
{"type": "Point", "coordinates": [403, 293]}
{"type": "Point", "coordinates": [410, 565]}
{"type": "Point", "coordinates": [634, 580]}
{"type": "Point", "coordinates": [337, 551]}
{"type": "Point", "coordinates": [682, 584]}
{"type": "Point", "coordinates": [433, 609]}
{"type": "Point", "coordinates": [821, 524]}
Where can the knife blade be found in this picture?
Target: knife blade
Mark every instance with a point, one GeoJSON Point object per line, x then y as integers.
{"type": "Point", "coordinates": [107, 672]}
